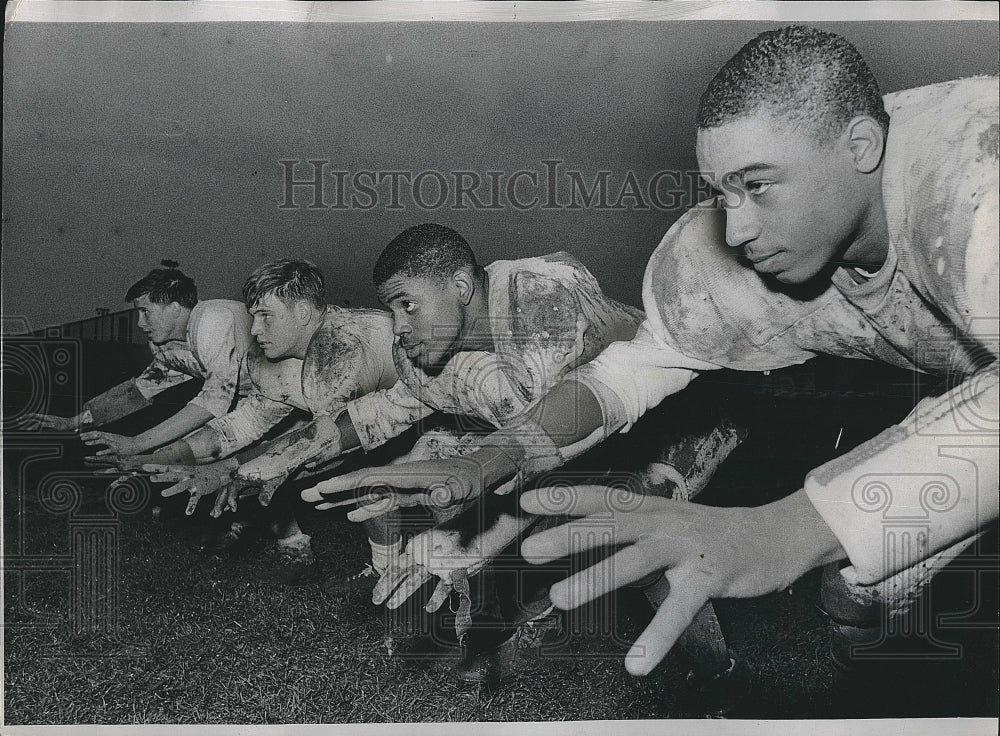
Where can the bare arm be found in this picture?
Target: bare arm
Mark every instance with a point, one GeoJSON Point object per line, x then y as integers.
{"type": "Point", "coordinates": [183, 422]}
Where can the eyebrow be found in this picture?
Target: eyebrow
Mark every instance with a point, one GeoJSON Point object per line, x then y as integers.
{"type": "Point", "coordinates": [400, 294]}
{"type": "Point", "coordinates": [749, 169]}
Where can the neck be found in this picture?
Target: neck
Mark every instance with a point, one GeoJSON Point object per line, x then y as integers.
{"type": "Point", "coordinates": [180, 329]}
{"type": "Point", "coordinates": [870, 246]}
{"type": "Point", "coordinates": [308, 330]}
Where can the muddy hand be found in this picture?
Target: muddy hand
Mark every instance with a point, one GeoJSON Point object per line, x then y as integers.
{"type": "Point", "coordinates": [439, 483]}
{"type": "Point", "coordinates": [117, 464]}
{"type": "Point", "coordinates": [198, 480]}
{"type": "Point", "coordinates": [316, 443]}
{"type": "Point", "coordinates": [228, 497]}
{"type": "Point", "coordinates": [400, 581]}
{"type": "Point", "coordinates": [48, 423]}
{"type": "Point", "coordinates": [438, 553]}
{"type": "Point", "coordinates": [114, 444]}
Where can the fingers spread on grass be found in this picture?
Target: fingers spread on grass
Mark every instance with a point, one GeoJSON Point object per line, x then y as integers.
{"type": "Point", "coordinates": [413, 581]}
{"type": "Point", "coordinates": [221, 502]}
{"type": "Point", "coordinates": [440, 595]}
{"type": "Point", "coordinates": [689, 592]}
{"type": "Point", "coordinates": [391, 580]}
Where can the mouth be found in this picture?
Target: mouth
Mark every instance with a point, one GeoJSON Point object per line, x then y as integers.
{"type": "Point", "coordinates": [758, 260]}
{"type": "Point", "coordinates": [411, 349]}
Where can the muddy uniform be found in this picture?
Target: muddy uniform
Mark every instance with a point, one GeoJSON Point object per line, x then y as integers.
{"type": "Point", "coordinates": [932, 307]}
{"type": "Point", "coordinates": [547, 315]}
{"type": "Point", "coordinates": [218, 334]}
{"type": "Point", "coordinates": [349, 355]}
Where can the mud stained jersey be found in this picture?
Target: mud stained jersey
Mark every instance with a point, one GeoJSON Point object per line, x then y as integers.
{"type": "Point", "coordinates": [932, 307]}
{"type": "Point", "coordinates": [547, 316]}
{"type": "Point", "coordinates": [349, 355]}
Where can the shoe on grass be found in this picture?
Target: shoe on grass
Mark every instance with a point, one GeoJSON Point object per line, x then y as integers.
{"type": "Point", "coordinates": [357, 583]}
{"type": "Point", "coordinates": [234, 541]}
{"type": "Point", "coordinates": [294, 559]}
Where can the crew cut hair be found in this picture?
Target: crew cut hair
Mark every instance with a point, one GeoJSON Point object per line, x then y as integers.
{"type": "Point", "coordinates": [812, 79]}
{"type": "Point", "coordinates": [163, 286]}
{"type": "Point", "coordinates": [428, 250]}
{"type": "Point", "coordinates": [288, 280]}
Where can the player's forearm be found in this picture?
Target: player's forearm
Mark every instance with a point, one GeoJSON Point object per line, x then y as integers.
{"type": "Point", "coordinates": [176, 453]}
{"type": "Point", "coordinates": [115, 403]}
{"type": "Point", "coordinates": [205, 445]}
{"type": "Point", "coordinates": [187, 420]}
{"type": "Point", "coordinates": [349, 439]}
{"type": "Point", "coordinates": [941, 462]}
{"type": "Point", "coordinates": [318, 442]}
{"type": "Point", "coordinates": [569, 417]}
{"type": "Point", "coordinates": [569, 413]}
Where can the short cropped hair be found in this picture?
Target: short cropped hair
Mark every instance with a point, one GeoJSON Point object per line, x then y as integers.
{"type": "Point", "coordinates": [429, 250]}
{"type": "Point", "coordinates": [807, 77]}
{"type": "Point", "coordinates": [288, 280]}
{"type": "Point", "coordinates": [163, 286]}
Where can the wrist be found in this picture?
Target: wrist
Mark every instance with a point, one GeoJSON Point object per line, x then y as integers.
{"type": "Point", "coordinates": [797, 537]}
{"type": "Point", "coordinates": [492, 464]}
{"type": "Point", "coordinates": [177, 453]}
{"type": "Point", "coordinates": [138, 444]}
{"type": "Point", "coordinates": [84, 418]}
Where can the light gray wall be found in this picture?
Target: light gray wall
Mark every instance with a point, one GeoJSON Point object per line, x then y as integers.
{"type": "Point", "coordinates": [128, 143]}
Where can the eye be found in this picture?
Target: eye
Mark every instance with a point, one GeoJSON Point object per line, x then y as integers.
{"type": "Point", "coordinates": [756, 188]}
{"type": "Point", "coordinates": [409, 306]}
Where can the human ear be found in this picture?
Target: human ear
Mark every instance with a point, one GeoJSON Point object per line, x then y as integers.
{"type": "Point", "coordinates": [302, 311]}
{"type": "Point", "coordinates": [465, 284]}
{"type": "Point", "coordinates": [866, 142]}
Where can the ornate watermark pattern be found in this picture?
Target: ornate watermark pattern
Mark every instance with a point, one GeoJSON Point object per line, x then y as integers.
{"type": "Point", "coordinates": [43, 378]}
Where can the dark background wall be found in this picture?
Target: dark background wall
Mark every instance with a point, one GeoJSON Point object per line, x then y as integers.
{"type": "Point", "coordinates": [127, 143]}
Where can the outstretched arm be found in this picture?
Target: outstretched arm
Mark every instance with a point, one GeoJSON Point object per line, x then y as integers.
{"type": "Point", "coordinates": [117, 402]}
{"type": "Point", "coordinates": [924, 463]}
{"type": "Point", "coordinates": [606, 395]}
{"type": "Point", "coordinates": [321, 440]}
{"type": "Point", "coordinates": [704, 552]}
{"type": "Point", "coordinates": [187, 420]}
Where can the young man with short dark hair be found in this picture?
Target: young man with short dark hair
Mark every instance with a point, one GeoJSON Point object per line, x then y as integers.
{"type": "Point", "coordinates": [307, 355]}
{"type": "Point", "coordinates": [189, 340]}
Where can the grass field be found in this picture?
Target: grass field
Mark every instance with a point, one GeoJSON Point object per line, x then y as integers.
{"type": "Point", "coordinates": [193, 639]}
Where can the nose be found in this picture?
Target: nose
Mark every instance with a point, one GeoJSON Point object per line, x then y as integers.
{"type": "Point", "coordinates": [400, 325]}
{"type": "Point", "coordinates": [255, 328]}
{"type": "Point", "coordinates": [741, 224]}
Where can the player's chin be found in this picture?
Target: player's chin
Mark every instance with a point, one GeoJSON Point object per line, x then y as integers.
{"type": "Point", "coordinates": [430, 364]}
{"type": "Point", "coordinates": [789, 276]}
